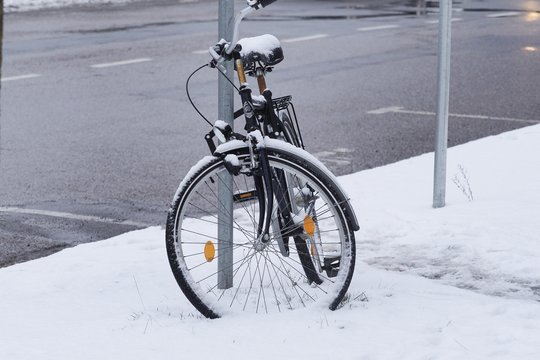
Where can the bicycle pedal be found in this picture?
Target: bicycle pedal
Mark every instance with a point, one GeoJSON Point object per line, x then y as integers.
{"type": "Point", "coordinates": [331, 265]}
{"type": "Point", "coordinates": [240, 197]}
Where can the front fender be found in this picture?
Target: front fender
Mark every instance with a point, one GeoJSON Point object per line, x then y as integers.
{"type": "Point", "coordinates": [237, 146]}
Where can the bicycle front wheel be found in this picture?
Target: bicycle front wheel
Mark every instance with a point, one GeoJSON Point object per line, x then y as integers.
{"type": "Point", "coordinates": [219, 275]}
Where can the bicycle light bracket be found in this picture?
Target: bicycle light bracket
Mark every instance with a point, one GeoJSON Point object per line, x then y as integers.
{"type": "Point", "coordinates": [223, 132]}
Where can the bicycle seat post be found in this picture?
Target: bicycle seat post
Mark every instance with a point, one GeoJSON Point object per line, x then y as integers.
{"type": "Point", "coordinates": [261, 81]}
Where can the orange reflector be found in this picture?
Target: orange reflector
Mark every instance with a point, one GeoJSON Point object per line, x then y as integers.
{"type": "Point", "coordinates": [309, 225]}
{"type": "Point", "coordinates": [209, 251]}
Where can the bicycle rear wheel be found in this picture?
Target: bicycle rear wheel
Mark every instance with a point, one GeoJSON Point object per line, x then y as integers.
{"type": "Point", "coordinates": [272, 277]}
{"type": "Point", "coordinates": [289, 131]}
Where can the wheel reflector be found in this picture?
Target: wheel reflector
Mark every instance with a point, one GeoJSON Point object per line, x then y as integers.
{"type": "Point", "coordinates": [209, 251]}
{"type": "Point", "coordinates": [309, 225]}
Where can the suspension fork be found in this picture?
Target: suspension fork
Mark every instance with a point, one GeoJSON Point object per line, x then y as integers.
{"type": "Point", "coordinates": [269, 183]}
{"type": "Point", "coordinates": [263, 184]}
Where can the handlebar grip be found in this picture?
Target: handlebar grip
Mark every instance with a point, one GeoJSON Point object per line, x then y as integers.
{"type": "Point", "coordinates": [217, 59]}
{"type": "Point", "coordinates": [213, 53]}
{"type": "Point", "coordinates": [265, 3]}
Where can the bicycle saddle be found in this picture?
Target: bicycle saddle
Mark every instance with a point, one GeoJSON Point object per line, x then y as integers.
{"type": "Point", "coordinates": [263, 50]}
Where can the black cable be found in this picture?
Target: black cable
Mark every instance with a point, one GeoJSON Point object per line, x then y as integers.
{"type": "Point", "coordinates": [226, 77]}
{"type": "Point", "coordinates": [189, 97]}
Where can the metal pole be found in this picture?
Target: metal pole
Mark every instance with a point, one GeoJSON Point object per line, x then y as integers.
{"type": "Point", "coordinates": [439, 182]}
{"type": "Point", "coordinates": [225, 185]}
{"type": "Point", "coordinates": [1, 61]}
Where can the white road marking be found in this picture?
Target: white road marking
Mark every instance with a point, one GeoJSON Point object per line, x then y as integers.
{"type": "Point", "coordinates": [64, 215]}
{"type": "Point", "coordinates": [400, 110]}
{"type": "Point", "coordinates": [385, 110]}
{"type": "Point", "coordinates": [338, 157]}
{"type": "Point", "coordinates": [504, 14]}
{"type": "Point", "coordinates": [322, 154]}
{"type": "Point", "coordinates": [337, 162]}
{"type": "Point", "coordinates": [344, 150]}
{"type": "Point", "coordinates": [437, 21]}
{"type": "Point", "coordinates": [379, 27]}
{"type": "Point", "coordinates": [20, 77]}
{"type": "Point", "coordinates": [305, 38]}
{"type": "Point", "coordinates": [120, 63]}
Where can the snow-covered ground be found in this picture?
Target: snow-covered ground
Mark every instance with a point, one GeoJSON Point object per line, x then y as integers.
{"type": "Point", "coordinates": [478, 296]}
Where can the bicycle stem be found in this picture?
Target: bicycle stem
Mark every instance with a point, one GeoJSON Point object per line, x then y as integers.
{"type": "Point", "coordinates": [228, 47]}
{"type": "Point", "coordinates": [254, 5]}
{"type": "Point", "coordinates": [237, 20]}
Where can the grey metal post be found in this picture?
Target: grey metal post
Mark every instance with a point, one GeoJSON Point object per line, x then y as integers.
{"type": "Point", "coordinates": [439, 181]}
{"type": "Point", "coordinates": [225, 113]}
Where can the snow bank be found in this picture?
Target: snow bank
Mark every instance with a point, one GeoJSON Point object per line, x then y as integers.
{"type": "Point", "coordinates": [491, 243]}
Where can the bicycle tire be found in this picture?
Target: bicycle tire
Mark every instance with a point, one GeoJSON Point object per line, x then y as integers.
{"type": "Point", "coordinates": [289, 131]}
{"type": "Point", "coordinates": [276, 282]}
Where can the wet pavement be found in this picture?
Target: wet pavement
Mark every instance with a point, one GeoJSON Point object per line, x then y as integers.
{"type": "Point", "coordinates": [89, 153]}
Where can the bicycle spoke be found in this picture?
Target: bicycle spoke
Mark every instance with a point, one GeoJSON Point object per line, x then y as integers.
{"type": "Point", "coordinates": [250, 285]}
{"type": "Point", "coordinates": [242, 280]}
{"type": "Point", "coordinates": [272, 283]}
{"type": "Point", "coordinates": [229, 189]}
{"type": "Point", "coordinates": [228, 267]}
{"type": "Point", "coordinates": [261, 283]}
{"type": "Point", "coordinates": [250, 215]}
{"type": "Point", "coordinates": [228, 213]}
{"type": "Point", "coordinates": [293, 282]}
{"type": "Point", "coordinates": [299, 263]}
{"type": "Point", "coordinates": [239, 228]}
{"type": "Point", "coordinates": [206, 262]}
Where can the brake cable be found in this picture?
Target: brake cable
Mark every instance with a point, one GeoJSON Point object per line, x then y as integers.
{"type": "Point", "coordinates": [189, 96]}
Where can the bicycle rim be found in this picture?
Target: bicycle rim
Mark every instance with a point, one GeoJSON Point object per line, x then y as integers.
{"type": "Point", "coordinates": [264, 279]}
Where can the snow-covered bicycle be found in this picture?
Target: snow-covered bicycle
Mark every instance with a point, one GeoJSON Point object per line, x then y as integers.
{"type": "Point", "coordinates": [261, 225]}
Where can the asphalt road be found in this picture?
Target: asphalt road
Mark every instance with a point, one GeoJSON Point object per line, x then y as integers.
{"type": "Point", "coordinates": [96, 131]}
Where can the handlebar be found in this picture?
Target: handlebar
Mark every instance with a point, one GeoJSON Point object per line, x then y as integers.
{"type": "Point", "coordinates": [260, 3]}
{"type": "Point", "coordinates": [224, 49]}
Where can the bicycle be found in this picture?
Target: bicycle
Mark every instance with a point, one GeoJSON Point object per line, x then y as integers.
{"type": "Point", "coordinates": [260, 225]}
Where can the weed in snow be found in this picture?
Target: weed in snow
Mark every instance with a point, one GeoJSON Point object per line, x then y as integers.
{"type": "Point", "coordinates": [461, 180]}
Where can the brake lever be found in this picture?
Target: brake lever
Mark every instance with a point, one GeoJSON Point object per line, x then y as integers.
{"type": "Point", "coordinates": [218, 59]}
{"type": "Point", "coordinates": [259, 4]}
